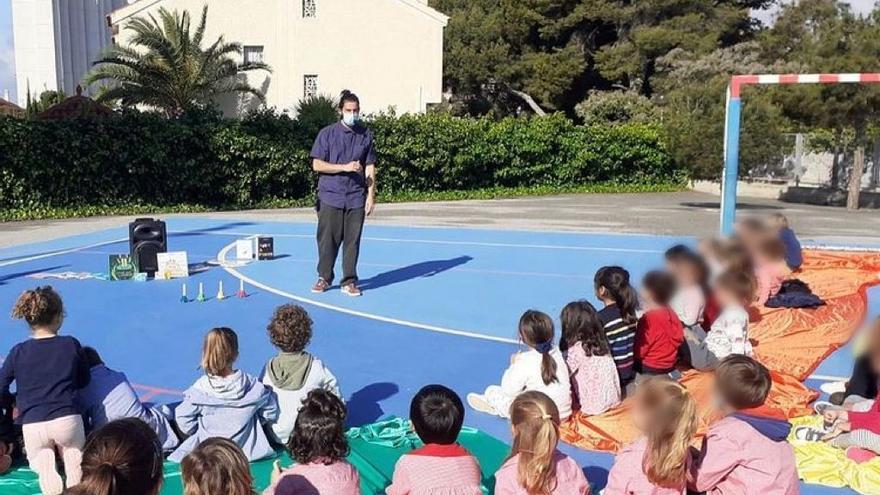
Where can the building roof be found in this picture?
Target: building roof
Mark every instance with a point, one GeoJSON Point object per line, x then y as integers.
{"type": "Point", "coordinates": [77, 106]}
{"type": "Point", "coordinates": [138, 6]}
{"type": "Point", "coordinates": [9, 108]}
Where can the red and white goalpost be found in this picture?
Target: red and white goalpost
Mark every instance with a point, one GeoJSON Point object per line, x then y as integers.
{"type": "Point", "coordinates": [732, 120]}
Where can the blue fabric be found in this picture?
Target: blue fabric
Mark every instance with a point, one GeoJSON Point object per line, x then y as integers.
{"type": "Point", "coordinates": [794, 300]}
{"type": "Point", "coordinates": [109, 396]}
{"type": "Point", "coordinates": [47, 373]}
{"type": "Point", "coordinates": [793, 256]}
{"type": "Point", "coordinates": [774, 429]}
{"type": "Point", "coordinates": [339, 144]}
{"type": "Point", "coordinates": [234, 407]}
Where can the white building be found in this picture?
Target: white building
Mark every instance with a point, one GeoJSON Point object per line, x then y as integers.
{"type": "Point", "coordinates": [389, 52]}
{"type": "Point", "coordinates": [56, 42]}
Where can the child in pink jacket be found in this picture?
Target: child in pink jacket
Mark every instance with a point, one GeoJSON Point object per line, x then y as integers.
{"type": "Point", "coordinates": [442, 465]}
{"type": "Point", "coordinates": [745, 452]}
{"type": "Point", "coordinates": [534, 465]}
{"type": "Point", "coordinates": [318, 447]}
{"type": "Point", "coordinates": [658, 462]}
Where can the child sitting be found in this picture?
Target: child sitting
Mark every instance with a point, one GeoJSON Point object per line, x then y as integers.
{"type": "Point", "coordinates": [217, 465]}
{"type": "Point", "coordinates": [534, 465]}
{"type": "Point", "coordinates": [123, 457]}
{"type": "Point", "coordinates": [793, 255]}
{"type": "Point", "coordinates": [691, 277]}
{"type": "Point", "coordinates": [595, 384]}
{"type": "Point", "coordinates": [47, 370]}
{"type": "Point", "coordinates": [109, 396]}
{"type": "Point", "coordinates": [855, 425]}
{"type": "Point", "coordinates": [318, 447]}
{"type": "Point", "coordinates": [745, 452]}
{"type": "Point", "coordinates": [540, 368]}
{"type": "Point", "coordinates": [659, 334]}
{"type": "Point", "coordinates": [225, 402]}
{"type": "Point", "coordinates": [730, 332]}
{"type": "Point", "coordinates": [441, 466]}
{"type": "Point", "coordinates": [770, 268]}
{"type": "Point", "coordinates": [618, 317]}
{"type": "Point", "coordinates": [293, 373]}
{"type": "Point", "coordinates": [658, 462]}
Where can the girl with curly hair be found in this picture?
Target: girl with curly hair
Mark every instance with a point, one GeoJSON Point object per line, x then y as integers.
{"type": "Point", "coordinates": [319, 447]}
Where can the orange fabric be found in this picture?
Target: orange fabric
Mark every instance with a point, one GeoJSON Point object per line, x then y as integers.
{"type": "Point", "coordinates": [791, 342]}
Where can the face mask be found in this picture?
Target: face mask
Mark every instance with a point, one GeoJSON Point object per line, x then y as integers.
{"type": "Point", "coordinates": [350, 119]}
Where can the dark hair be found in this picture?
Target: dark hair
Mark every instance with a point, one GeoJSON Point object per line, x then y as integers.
{"type": "Point", "coordinates": [615, 280]}
{"type": "Point", "coordinates": [740, 283]}
{"type": "Point", "coordinates": [91, 356]}
{"type": "Point", "coordinates": [39, 307]}
{"type": "Point", "coordinates": [437, 414]}
{"type": "Point", "coordinates": [677, 252]}
{"type": "Point", "coordinates": [319, 431]}
{"type": "Point", "coordinates": [581, 326]}
{"type": "Point", "coordinates": [217, 465]}
{"type": "Point", "coordinates": [536, 329]}
{"type": "Point", "coordinates": [743, 382]}
{"type": "Point", "coordinates": [660, 285]}
{"type": "Point", "coordinates": [347, 96]}
{"type": "Point", "coordinates": [123, 457]}
{"type": "Point", "coordinates": [290, 328]}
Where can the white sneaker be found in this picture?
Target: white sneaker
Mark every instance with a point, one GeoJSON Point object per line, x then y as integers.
{"type": "Point", "coordinates": [808, 434]}
{"type": "Point", "coordinates": [832, 387]}
{"type": "Point", "coordinates": [479, 403]}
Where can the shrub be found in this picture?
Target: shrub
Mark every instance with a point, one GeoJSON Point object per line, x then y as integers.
{"type": "Point", "coordinates": [204, 161]}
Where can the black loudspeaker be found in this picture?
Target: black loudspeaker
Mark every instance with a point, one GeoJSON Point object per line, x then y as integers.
{"type": "Point", "coordinates": [147, 238]}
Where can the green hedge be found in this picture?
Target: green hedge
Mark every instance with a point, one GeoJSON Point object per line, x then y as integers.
{"type": "Point", "coordinates": [207, 162]}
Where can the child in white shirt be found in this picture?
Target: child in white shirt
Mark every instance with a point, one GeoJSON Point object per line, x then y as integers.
{"type": "Point", "coordinates": [730, 331]}
{"type": "Point", "coordinates": [541, 368]}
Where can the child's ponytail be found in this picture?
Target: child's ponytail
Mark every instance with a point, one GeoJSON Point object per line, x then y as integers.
{"type": "Point", "coordinates": [615, 281]}
{"type": "Point", "coordinates": [123, 457]}
{"type": "Point", "coordinates": [535, 421]}
{"type": "Point", "coordinates": [39, 307]}
{"type": "Point", "coordinates": [673, 414]}
{"type": "Point", "coordinates": [536, 329]}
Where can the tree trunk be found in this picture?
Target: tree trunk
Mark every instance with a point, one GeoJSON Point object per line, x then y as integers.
{"type": "Point", "coordinates": [855, 178]}
{"type": "Point", "coordinates": [529, 101]}
{"type": "Point", "coordinates": [835, 164]}
{"type": "Point", "coordinates": [875, 168]}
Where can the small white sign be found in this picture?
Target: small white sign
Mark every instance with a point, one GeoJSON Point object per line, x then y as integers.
{"type": "Point", "coordinates": [172, 265]}
{"type": "Point", "coordinates": [244, 249]}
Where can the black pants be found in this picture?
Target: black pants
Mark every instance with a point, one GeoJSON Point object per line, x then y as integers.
{"type": "Point", "coordinates": [339, 227]}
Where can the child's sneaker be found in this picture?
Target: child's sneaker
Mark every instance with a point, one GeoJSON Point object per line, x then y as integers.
{"type": "Point", "coordinates": [808, 434]}
{"type": "Point", "coordinates": [822, 406]}
{"type": "Point", "coordinates": [859, 455]}
{"type": "Point", "coordinates": [479, 403]}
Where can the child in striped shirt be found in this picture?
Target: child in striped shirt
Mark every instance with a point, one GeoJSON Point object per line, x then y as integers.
{"type": "Point", "coordinates": [618, 318]}
{"type": "Point", "coordinates": [442, 466]}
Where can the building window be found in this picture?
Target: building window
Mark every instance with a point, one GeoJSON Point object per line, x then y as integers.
{"type": "Point", "coordinates": [310, 8]}
{"type": "Point", "coordinates": [253, 54]}
{"type": "Point", "coordinates": [310, 86]}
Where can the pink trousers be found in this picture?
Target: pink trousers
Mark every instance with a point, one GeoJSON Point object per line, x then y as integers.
{"type": "Point", "coordinates": [66, 434]}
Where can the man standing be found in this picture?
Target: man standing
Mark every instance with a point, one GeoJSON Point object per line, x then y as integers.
{"type": "Point", "coordinates": [345, 159]}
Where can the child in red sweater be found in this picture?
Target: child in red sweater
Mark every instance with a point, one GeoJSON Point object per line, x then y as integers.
{"type": "Point", "coordinates": [659, 333]}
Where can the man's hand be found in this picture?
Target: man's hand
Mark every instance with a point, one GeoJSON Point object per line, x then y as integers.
{"type": "Point", "coordinates": [353, 167]}
{"type": "Point", "coordinates": [371, 204]}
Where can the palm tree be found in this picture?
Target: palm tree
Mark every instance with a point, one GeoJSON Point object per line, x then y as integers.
{"type": "Point", "coordinates": [165, 66]}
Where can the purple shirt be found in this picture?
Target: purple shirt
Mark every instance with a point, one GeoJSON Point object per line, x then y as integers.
{"type": "Point", "coordinates": [338, 144]}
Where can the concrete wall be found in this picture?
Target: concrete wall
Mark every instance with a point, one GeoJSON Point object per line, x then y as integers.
{"type": "Point", "coordinates": [389, 52]}
{"type": "Point", "coordinates": [56, 42]}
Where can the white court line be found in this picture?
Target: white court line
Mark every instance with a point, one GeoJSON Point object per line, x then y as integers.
{"type": "Point", "coordinates": [828, 378]}
{"type": "Point", "coordinates": [453, 243]}
{"type": "Point", "coordinates": [221, 257]}
{"type": "Point", "coordinates": [62, 251]}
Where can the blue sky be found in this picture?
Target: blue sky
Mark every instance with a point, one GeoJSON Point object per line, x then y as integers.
{"type": "Point", "coordinates": [7, 60]}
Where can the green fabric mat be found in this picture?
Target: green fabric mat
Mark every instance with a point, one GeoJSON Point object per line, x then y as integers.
{"type": "Point", "coordinates": [375, 449]}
